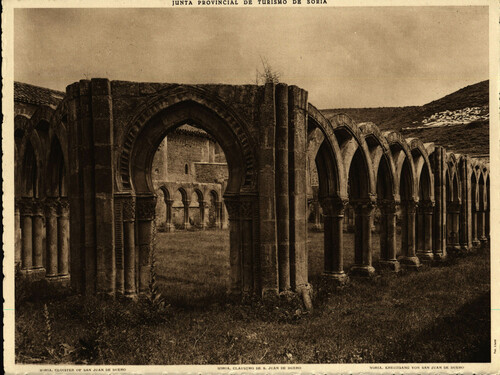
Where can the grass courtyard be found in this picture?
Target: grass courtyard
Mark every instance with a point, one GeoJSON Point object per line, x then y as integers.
{"type": "Point", "coordinates": [439, 314]}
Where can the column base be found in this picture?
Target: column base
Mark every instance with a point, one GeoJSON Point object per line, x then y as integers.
{"type": "Point", "coordinates": [186, 226]}
{"type": "Point", "coordinates": [363, 271]}
{"type": "Point", "coordinates": [169, 228]}
{"type": "Point", "coordinates": [476, 243]}
{"type": "Point", "coordinates": [336, 278]}
{"type": "Point", "coordinates": [391, 265]}
{"type": "Point", "coordinates": [410, 262]}
{"type": "Point", "coordinates": [63, 280]}
{"type": "Point", "coordinates": [33, 273]}
{"type": "Point", "coordinates": [440, 257]}
{"type": "Point", "coordinates": [425, 256]}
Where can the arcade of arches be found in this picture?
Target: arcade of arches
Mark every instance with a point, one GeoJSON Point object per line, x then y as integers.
{"type": "Point", "coordinates": [87, 187]}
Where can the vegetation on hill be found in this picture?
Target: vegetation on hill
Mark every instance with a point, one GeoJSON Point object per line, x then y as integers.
{"type": "Point", "coordinates": [470, 138]}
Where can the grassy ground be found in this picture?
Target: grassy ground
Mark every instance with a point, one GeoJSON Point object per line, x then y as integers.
{"type": "Point", "coordinates": [440, 314]}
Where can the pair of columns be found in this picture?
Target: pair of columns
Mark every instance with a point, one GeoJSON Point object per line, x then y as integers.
{"type": "Point", "coordinates": [186, 224]}
{"type": "Point", "coordinates": [424, 230]}
{"type": "Point", "coordinates": [57, 240]}
{"type": "Point", "coordinates": [334, 211]}
{"type": "Point", "coordinates": [32, 214]}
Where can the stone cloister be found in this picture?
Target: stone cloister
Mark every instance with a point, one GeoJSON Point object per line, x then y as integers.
{"type": "Point", "coordinates": [85, 199]}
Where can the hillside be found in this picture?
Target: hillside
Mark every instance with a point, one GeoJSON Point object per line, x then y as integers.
{"type": "Point", "coordinates": [458, 121]}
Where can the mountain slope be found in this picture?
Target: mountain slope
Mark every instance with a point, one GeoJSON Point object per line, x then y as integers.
{"type": "Point", "coordinates": [454, 123]}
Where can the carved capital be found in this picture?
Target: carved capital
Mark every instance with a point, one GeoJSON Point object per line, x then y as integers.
{"type": "Point", "coordinates": [63, 207]}
{"type": "Point", "coordinates": [410, 206]}
{"type": "Point", "coordinates": [128, 209]}
{"type": "Point", "coordinates": [146, 208]}
{"type": "Point", "coordinates": [51, 206]}
{"type": "Point", "coordinates": [333, 207]}
{"type": "Point", "coordinates": [169, 202]}
{"type": "Point", "coordinates": [38, 208]}
{"type": "Point", "coordinates": [26, 206]}
{"type": "Point", "coordinates": [427, 206]}
{"type": "Point", "coordinates": [364, 207]}
{"type": "Point", "coordinates": [388, 207]}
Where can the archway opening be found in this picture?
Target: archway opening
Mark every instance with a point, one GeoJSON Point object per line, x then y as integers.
{"type": "Point", "coordinates": [193, 264]}
{"type": "Point", "coordinates": [191, 247]}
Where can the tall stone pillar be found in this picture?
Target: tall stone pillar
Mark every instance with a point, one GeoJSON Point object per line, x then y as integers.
{"type": "Point", "coordinates": [103, 177]}
{"type": "Point", "coordinates": [51, 208]}
{"type": "Point", "coordinates": [297, 172]}
{"type": "Point", "coordinates": [427, 209]}
{"type": "Point", "coordinates": [267, 194]}
{"type": "Point", "coordinates": [129, 246]}
{"type": "Point", "coordinates": [409, 258]}
{"type": "Point", "coordinates": [186, 224]}
{"type": "Point", "coordinates": [388, 257]}
{"type": "Point", "coordinates": [169, 227]}
{"type": "Point", "coordinates": [333, 210]}
{"type": "Point", "coordinates": [146, 210]}
{"type": "Point", "coordinates": [282, 188]}
{"type": "Point", "coordinates": [363, 239]}
{"type": "Point", "coordinates": [38, 236]}
{"type": "Point", "coordinates": [235, 258]}
{"type": "Point", "coordinates": [63, 237]}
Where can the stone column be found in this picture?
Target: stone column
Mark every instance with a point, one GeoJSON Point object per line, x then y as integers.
{"type": "Point", "coordinates": [202, 214]}
{"type": "Point", "coordinates": [129, 246]}
{"type": "Point", "coordinates": [18, 244]}
{"type": "Point", "coordinates": [438, 160]}
{"type": "Point", "coordinates": [363, 239]}
{"type": "Point", "coordinates": [186, 224]}
{"type": "Point", "coordinates": [233, 209]}
{"type": "Point", "coordinates": [475, 240]}
{"type": "Point", "coordinates": [427, 209]}
{"type": "Point", "coordinates": [26, 212]}
{"type": "Point", "coordinates": [388, 257]}
{"type": "Point", "coordinates": [169, 227]}
{"type": "Point", "coordinates": [455, 226]}
{"type": "Point", "coordinates": [51, 208]}
{"type": "Point", "coordinates": [419, 229]}
{"type": "Point", "coordinates": [334, 210]}
{"type": "Point", "coordinates": [38, 236]}
{"type": "Point", "coordinates": [218, 210]}
{"type": "Point", "coordinates": [481, 224]}
{"type": "Point", "coordinates": [63, 237]}
{"type": "Point", "coordinates": [247, 254]}
{"type": "Point", "coordinates": [146, 210]}
{"type": "Point", "coordinates": [487, 224]}
{"type": "Point", "coordinates": [409, 258]}
{"type": "Point", "coordinates": [282, 187]}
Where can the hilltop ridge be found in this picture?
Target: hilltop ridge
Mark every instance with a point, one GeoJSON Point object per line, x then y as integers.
{"type": "Point", "coordinates": [458, 121]}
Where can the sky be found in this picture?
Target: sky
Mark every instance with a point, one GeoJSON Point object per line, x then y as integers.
{"type": "Point", "coordinates": [344, 57]}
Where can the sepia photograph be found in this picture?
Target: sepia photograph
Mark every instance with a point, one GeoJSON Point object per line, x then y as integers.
{"type": "Point", "coordinates": [250, 187]}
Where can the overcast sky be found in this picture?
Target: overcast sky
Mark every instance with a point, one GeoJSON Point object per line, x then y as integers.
{"type": "Point", "coordinates": [344, 57]}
